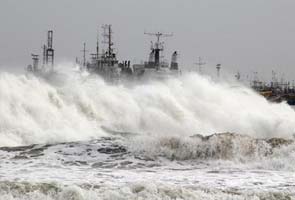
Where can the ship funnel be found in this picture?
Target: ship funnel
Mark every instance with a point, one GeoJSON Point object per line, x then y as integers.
{"type": "Point", "coordinates": [174, 63]}
{"type": "Point", "coordinates": [152, 58]}
{"type": "Point", "coordinates": [35, 66]}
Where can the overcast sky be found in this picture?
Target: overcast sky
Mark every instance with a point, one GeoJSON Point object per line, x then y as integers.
{"type": "Point", "coordinates": [253, 35]}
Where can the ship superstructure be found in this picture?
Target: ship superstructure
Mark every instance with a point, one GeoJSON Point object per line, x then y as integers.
{"type": "Point", "coordinates": [156, 66]}
{"type": "Point", "coordinates": [106, 64]}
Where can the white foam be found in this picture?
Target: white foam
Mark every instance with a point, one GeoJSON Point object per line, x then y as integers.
{"type": "Point", "coordinates": [34, 111]}
{"type": "Point", "coordinates": [134, 191]}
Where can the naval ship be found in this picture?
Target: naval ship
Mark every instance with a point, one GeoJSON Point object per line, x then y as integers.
{"type": "Point", "coordinates": [156, 67]}
{"type": "Point", "coordinates": [106, 64]}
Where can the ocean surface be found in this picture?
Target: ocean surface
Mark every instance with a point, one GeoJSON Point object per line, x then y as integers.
{"type": "Point", "coordinates": [73, 136]}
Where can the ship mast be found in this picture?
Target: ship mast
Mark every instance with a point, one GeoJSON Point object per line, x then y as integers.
{"type": "Point", "coordinates": [97, 47]}
{"type": "Point", "coordinates": [200, 63]}
{"type": "Point", "coordinates": [158, 46]}
{"type": "Point", "coordinates": [95, 56]}
{"type": "Point", "coordinates": [50, 50]}
{"type": "Point", "coordinates": [84, 54]}
{"type": "Point", "coordinates": [108, 38]}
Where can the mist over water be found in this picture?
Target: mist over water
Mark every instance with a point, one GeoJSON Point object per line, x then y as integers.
{"type": "Point", "coordinates": [73, 107]}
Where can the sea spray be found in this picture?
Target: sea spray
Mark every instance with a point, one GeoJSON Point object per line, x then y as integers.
{"type": "Point", "coordinates": [34, 110]}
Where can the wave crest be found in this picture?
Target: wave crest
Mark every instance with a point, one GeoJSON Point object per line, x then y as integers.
{"type": "Point", "coordinates": [39, 111]}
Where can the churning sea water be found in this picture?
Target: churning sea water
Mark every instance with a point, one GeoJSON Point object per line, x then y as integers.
{"type": "Point", "coordinates": [77, 137]}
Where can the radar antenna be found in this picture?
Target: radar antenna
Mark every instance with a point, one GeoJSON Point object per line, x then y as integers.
{"type": "Point", "coordinates": [107, 34]}
{"type": "Point", "coordinates": [200, 63]}
{"type": "Point", "coordinates": [159, 35]}
{"type": "Point", "coordinates": [84, 54]}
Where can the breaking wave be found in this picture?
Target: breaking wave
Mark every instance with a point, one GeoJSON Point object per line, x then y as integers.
{"type": "Point", "coordinates": [77, 107]}
{"type": "Point", "coordinates": [268, 154]}
{"type": "Point", "coordinates": [137, 152]}
{"type": "Point", "coordinates": [17, 191]}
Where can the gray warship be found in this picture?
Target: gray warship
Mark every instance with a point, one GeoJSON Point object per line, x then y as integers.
{"type": "Point", "coordinates": [107, 65]}
{"type": "Point", "coordinates": [156, 67]}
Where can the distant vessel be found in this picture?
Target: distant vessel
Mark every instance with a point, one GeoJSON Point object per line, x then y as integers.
{"type": "Point", "coordinates": [275, 91]}
{"type": "Point", "coordinates": [156, 67]}
{"type": "Point", "coordinates": [107, 65]}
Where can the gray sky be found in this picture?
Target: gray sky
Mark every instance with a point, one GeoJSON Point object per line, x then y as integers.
{"type": "Point", "coordinates": [254, 35]}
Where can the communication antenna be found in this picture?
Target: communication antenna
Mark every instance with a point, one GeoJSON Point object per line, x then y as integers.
{"type": "Point", "coordinates": [107, 34]}
{"type": "Point", "coordinates": [84, 54]}
{"type": "Point", "coordinates": [44, 55]}
{"type": "Point", "coordinates": [49, 50]}
{"type": "Point", "coordinates": [159, 35]}
{"type": "Point", "coordinates": [200, 63]}
{"type": "Point", "coordinates": [97, 46]}
{"type": "Point", "coordinates": [95, 56]}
